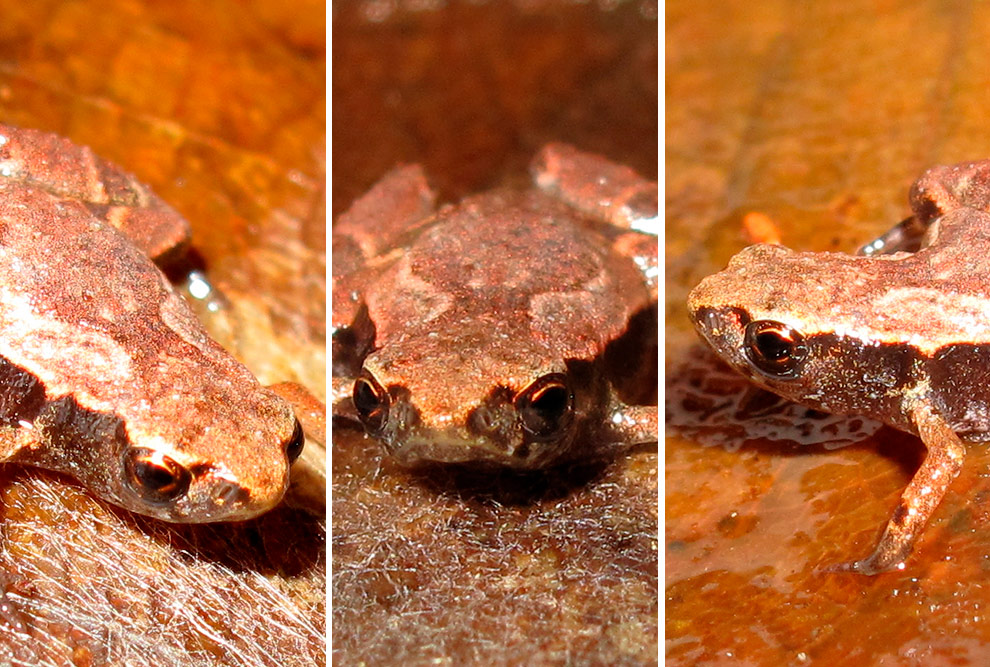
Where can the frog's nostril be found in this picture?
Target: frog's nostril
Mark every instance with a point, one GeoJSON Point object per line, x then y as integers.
{"type": "Point", "coordinates": [484, 420]}
{"type": "Point", "coordinates": [229, 493]}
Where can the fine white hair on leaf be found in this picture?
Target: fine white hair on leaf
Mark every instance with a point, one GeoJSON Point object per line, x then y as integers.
{"type": "Point", "coordinates": [140, 591]}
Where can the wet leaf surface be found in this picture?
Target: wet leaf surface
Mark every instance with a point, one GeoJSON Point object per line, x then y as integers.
{"type": "Point", "coordinates": [218, 106]}
{"type": "Point", "coordinates": [708, 402]}
{"type": "Point", "coordinates": [806, 115]}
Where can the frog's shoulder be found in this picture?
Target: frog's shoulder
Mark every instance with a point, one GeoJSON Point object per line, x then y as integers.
{"type": "Point", "coordinates": [69, 172]}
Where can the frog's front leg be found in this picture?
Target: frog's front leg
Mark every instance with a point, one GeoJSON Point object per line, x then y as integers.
{"type": "Point", "coordinates": [310, 411]}
{"type": "Point", "coordinates": [923, 494]}
{"type": "Point", "coordinates": [343, 406]}
{"type": "Point", "coordinates": [69, 171]}
{"type": "Point", "coordinates": [633, 424]}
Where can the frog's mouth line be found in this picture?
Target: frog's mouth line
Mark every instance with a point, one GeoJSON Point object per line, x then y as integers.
{"type": "Point", "coordinates": [456, 447]}
{"type": "Point", "coordinates": [449, 448]}
{"type": "Point", "coordinates": [93, 445]}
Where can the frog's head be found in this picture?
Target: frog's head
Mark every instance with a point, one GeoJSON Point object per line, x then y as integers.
{"type": "Point", "coordinates": [450, 404]}
{"type": "Point", "coordinates": [228, 463]}
{"type": "Point", "coordinates": [108, 376]}
{"type": "Point", "coordinates": [156, 418]}
{"type": "Point", "coordinates": [808, 326]}
{"type": "Point", "coordinates": [195, 446]}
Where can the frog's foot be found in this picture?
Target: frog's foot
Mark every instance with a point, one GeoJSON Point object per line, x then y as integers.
{"type": "Point", "coordinates": [919, 500]}
{"type": "Point", "coordinates": [906, 236]}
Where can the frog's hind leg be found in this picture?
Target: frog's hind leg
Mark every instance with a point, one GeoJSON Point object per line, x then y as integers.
{"type": "Point", "coordinates": [598, 187]}
{"type": "Point", "coordinates": [923, 494]}
{"type": "Point", "coordinates": [608, 192]}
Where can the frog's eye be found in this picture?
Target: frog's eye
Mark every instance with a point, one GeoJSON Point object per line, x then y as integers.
{"type": "Point", "coordinates": [371, 402]}
{"type": "Point", "coordinates": [155, 477]}
{"type": "Point", "coordinates": [775, 348]}
{"type": "Point", "coordinates": [546, 406]}
{"type": "Point", "coordinates": [294, 445]}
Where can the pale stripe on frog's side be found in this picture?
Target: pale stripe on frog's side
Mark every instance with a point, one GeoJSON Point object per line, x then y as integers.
{"type": "Point", "coordinates": [902, 337]}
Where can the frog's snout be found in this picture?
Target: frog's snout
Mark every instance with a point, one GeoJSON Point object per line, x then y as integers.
{"type": "Point", "coordinates": [160, 486]}
{"type": "Point", "coordinates": [723, 330]}
{"type": "Point", "coordinates": [221, 498]}
{"type": "Point", "coordinates": [719, 324]}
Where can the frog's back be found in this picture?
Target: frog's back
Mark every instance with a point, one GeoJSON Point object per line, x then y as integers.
{"type": "Point", "coordinates": [58, 253]}
{"type": "Point", "coordinates": [87, 313]}
{"type": "Point", "coordinates": [514, 265]}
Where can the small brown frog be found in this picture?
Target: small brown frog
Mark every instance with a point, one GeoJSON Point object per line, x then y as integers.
{"type": "Point", "coordinates": [105, 373]}
{"type": "Point", "coordinates": [900, 334]}
{"type": "Point", "coordinates": [479, 332]}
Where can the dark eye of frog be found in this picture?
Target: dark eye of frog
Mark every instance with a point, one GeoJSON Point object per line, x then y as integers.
{"type": "Point", "coordinates": [155, 477]}
{"type": "Point", "coordinates": [294, 445]}
{"type": "Point", "coordinates": [546, 406]}
{"type": "Point", "coordinates": [775, 348]}
{"type": "Point", "coordinates": [371, 402]}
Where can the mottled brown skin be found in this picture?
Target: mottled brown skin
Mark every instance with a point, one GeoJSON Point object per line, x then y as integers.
{"type": "Point", "coordinates": [903, 337]}
{"type": "Point", "coordinates": [460, 316]}
{"type": "Point", "coordinates": [102, 364]}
